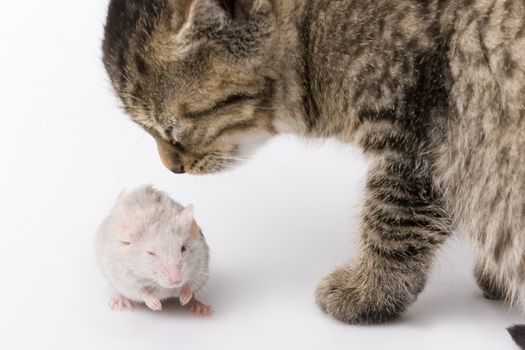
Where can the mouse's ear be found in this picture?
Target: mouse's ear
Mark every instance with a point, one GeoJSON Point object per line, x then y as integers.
{"type": "Point", "coordinates": [187, 219]}
{"type": "Point", "coordinates": [126, 227]}
{"type": "Point", "coordinates": [186, 215]}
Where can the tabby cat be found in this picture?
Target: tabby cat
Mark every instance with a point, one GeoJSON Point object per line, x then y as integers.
{"type": "Point", "coordinates": [433, 91]}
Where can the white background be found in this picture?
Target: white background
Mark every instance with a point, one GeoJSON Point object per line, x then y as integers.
{"type": "Point", "coordinates": [275, 226]}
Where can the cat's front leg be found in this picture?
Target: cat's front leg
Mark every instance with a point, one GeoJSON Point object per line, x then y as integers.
{"type": "Point", "coordinates": [493, 287]}
{"type": "Point", "coordinates": [403, 224]}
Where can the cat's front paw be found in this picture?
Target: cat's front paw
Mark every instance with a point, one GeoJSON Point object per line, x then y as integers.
{"type": "Point", "coordinates": [354, 300]}
{"type": "Point", "coordinates": [492, 289]}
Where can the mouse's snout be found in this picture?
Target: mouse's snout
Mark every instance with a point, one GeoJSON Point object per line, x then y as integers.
{"type": "Point", "coordinates": [175, 277]}
{"type": "Point", "coordinates": [172, 277]}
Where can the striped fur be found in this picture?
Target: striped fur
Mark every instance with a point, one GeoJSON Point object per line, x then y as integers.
{"type": "Point", "coordinates": [518, 334]}
{"type": "Point", "coordinates": [433, 91]}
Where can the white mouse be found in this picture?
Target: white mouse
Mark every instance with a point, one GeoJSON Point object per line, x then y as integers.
{"type": "Point", "coordinates": [150, 248]}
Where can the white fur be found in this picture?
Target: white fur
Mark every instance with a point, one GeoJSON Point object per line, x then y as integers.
{"type": "Point", "coordinates": [147, 220]}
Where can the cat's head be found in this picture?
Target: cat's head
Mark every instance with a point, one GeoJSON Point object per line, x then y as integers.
{"type": "Point", "coordinates": [196, 75]}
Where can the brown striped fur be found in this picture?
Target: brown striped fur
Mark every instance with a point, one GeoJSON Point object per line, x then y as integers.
{"type": "Point", "coordinates": [432, 90]}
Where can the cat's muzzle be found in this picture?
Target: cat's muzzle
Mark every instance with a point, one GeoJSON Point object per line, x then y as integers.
{"type": "Point", "coordinates": [170, 157]}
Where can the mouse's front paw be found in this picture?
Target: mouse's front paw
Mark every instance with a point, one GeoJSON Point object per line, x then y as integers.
{"type": "Point", "coordinates": [200, 309]}
{"type": "Point", "coordinates": [120, 303]}
{"type": "Point", "coordinates": [186, 294]}
{"type": "Point", "coordinates": [152, 302]}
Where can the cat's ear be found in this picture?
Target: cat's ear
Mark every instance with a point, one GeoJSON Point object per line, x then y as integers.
{"type": "Point", "coordinates": [212, 12]}
{"type": "Point", "coordinates": [247, 10]}
{"type": "Point", "coordinates": [241, 27]}
{"type": "Point", "coordinates": [239, 9]}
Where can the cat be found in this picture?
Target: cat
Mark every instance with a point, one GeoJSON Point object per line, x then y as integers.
{"type": "Point", "coordinates": [432, 91]}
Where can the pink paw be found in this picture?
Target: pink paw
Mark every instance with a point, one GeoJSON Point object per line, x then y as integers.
{"type": "Point", "coordinates": [152, 302]}
{"type": "Point", "coordinates": [120, 303]}
{"type": "Point", "coordinates": [185, 295]}
{"type": "Point", "coordinates": [200, 309]}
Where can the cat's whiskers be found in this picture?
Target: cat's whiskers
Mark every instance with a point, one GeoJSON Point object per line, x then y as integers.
{"type": "Point", "coordinates": [230, 157]}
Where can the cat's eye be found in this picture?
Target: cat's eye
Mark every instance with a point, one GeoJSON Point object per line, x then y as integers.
{"type": "Point", "coordinates": [151, 253]}
{"type": "Point", "coordinates": [218, 105]}
{"type": "Point", "coordinates": [179, 147]}
{"type": "Point", "coordinates": [183, 249]}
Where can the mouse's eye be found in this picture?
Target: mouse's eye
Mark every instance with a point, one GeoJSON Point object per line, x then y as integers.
{"type": "Point", "coordinates": [183, 249]}
{"type": "Point", "coordinates": [151, 253]}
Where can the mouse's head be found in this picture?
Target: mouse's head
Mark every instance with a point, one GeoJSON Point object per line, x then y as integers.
{"type": "Point", "coordinates": [196, 75]}
{"type": "Point", "coordinates": [162, 240]}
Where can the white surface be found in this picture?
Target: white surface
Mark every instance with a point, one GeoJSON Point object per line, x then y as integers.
{"type": "Point", "coordinates": [275, 226]}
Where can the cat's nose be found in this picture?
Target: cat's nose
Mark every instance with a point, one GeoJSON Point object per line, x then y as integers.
{"type": "Point", "coordinates": [179, 169]}
{"type": "Point", "coordinates": [170, 157]}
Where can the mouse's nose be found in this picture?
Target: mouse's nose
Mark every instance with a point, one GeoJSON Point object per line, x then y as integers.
{"type": "Point", "coordinates": [175, 277]}
{"type": "Point", "coordinates": [175, 280]}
